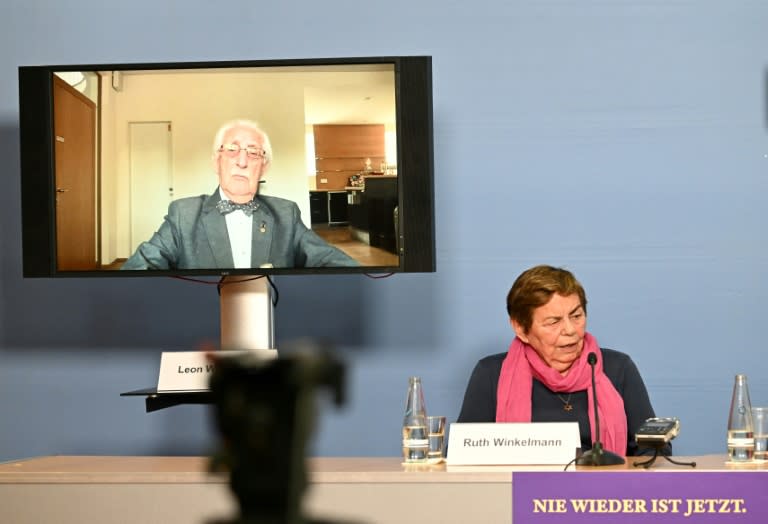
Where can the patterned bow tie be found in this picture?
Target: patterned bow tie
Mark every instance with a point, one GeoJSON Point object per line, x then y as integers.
{"type": "Point", "coordinates": [227, 206]}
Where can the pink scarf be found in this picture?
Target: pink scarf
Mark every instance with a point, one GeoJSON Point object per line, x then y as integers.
{"type": "Point", "coordinates": [522, 364]}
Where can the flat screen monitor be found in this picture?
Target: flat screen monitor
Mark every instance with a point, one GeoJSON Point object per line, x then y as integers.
{"type": "Point", "coordinates": [125, 168]}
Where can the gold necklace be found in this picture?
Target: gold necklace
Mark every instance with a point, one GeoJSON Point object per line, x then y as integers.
{"type": "Point", "coordinates": [567, 406]}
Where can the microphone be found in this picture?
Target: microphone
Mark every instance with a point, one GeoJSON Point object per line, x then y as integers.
{"type": "Point", "coordinates": [597, 456]}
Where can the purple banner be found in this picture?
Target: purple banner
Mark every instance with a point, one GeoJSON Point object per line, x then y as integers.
{"type": "Point", "coordinates": [641, 496]}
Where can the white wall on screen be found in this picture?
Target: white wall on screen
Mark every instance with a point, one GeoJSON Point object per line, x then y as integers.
{"type": "Point", "coordinates": [113, 209]}
{"type": "Point", "coordinates": [151, 177]}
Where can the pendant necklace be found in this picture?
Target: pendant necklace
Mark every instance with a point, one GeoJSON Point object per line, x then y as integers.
{"type": "Point", "coordinates": [567, 406]}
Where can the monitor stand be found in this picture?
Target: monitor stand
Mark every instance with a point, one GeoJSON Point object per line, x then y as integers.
{"type": "Point", "coordinates": [247, 315]}
{"type": "Point", "coordinates": [247, 324]}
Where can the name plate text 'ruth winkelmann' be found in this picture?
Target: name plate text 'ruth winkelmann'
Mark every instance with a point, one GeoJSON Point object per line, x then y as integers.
{"type": "Point", "coordinates": [512, 443]}
{"type": "Point", "coordinates": [192, 370]}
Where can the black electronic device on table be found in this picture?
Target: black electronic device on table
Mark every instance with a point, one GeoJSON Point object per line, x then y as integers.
{"type": "Point", "coordinates": [656, 433]}
{"type": "Point", "coordinates": [655, 430]}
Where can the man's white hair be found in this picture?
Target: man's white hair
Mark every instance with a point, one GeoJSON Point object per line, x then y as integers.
{"type": "Point", "coordinates": [250, 124]}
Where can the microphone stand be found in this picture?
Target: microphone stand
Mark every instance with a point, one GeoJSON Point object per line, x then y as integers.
{"type": "Point", "coordinates": [597, 456]}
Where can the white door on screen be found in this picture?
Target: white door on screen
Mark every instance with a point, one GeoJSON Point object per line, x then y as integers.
{"type": "Point", "coordinates": [151, 174]}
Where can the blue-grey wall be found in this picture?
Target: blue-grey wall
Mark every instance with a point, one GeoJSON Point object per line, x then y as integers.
{"type": "Point", "coordinates": [624, 140]}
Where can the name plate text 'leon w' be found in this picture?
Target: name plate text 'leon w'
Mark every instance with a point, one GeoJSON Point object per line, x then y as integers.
{"type": "Point", "coordinates": [192, 370]}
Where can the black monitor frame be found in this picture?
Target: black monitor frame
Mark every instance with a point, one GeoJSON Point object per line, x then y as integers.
{"type": "Point", "coordinates": [413, 93]}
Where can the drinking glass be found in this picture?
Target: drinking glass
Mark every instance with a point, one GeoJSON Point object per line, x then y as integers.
{"type": "Point", "coordinates": [436, 436]}
{"type": "Point", "coordinates": [760, 425]}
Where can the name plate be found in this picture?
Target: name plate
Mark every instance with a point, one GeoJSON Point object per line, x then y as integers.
{"type": "Point", "coordinates": [191, 370]}
{"type": "Point", "coordinates": [512, 443]}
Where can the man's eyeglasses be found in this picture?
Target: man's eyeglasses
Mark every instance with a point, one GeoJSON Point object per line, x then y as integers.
{"type": "Point", "coordinates": [232, 150]}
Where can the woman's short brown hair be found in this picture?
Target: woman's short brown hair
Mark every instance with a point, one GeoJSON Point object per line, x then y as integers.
{"type": "Point", "coordinates": [535, 287]}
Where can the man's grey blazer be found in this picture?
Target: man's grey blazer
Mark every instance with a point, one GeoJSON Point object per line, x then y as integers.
{"type": "Point", "coordinates": [194, 236]}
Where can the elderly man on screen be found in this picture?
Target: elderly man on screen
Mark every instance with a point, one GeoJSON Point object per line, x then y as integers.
{"type": "Point", "coordinates": [545, 376]}
{"type": "Point", "coordinates": [235, 227]}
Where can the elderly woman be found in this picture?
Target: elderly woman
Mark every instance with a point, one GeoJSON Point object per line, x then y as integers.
{"type": "Point", "coordinates": [545, 376]}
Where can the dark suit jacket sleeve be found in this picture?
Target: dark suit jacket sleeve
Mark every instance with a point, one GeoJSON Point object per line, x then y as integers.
{"type": "Point", "coordinates": [480, 397]}
{"type": "Point", "coordinates": [623, 373]}
{"type": "Point", "coordinates": [282, 240]}
{"type": "Point", "coordinates": [162, 251]}
{"type": "Point", "coordinates": [311, 250]}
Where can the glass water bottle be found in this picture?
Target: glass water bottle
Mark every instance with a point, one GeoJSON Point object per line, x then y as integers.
{"type": "Point", "coordinates": [415, 441]}
{"type": "Point", "coordinates": [741, 440]}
